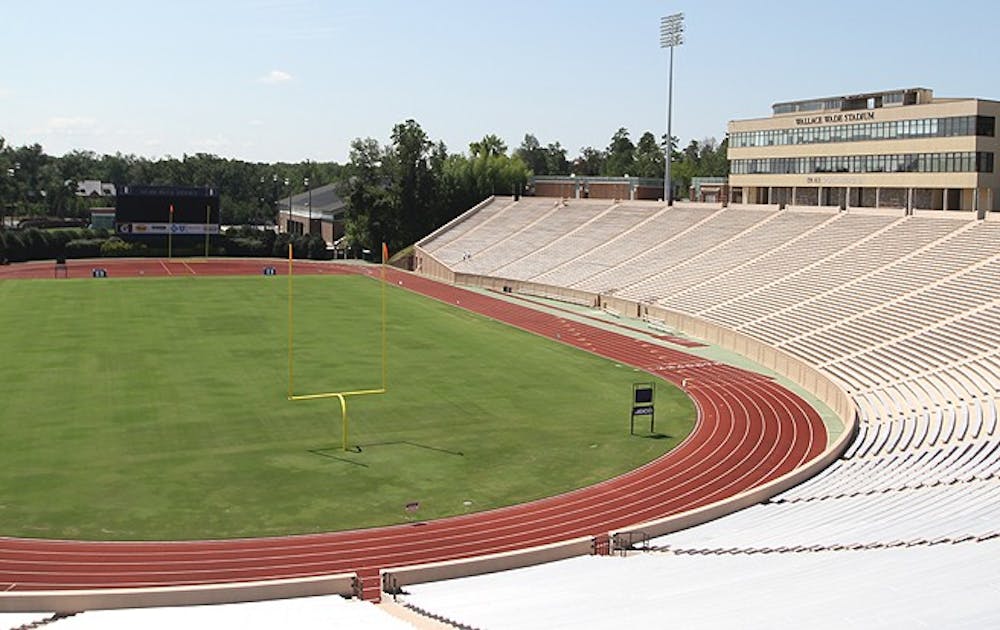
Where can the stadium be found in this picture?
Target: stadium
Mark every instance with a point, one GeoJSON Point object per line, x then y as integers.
{"type": "Point", "coordinates": [844, 359]}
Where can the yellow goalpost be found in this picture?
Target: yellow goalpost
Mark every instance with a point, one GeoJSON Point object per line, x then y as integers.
{"type": "Point", "coordinates": [340, 396]}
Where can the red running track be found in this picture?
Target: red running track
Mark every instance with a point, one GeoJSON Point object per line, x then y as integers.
{"type": "Point", "coordinates": [750, 430]}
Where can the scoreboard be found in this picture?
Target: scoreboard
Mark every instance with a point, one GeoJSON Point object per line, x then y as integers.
{"type": "Point", "coordinates": [159, 210]}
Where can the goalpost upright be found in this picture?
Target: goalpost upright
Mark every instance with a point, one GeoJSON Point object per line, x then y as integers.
{"type": "Point", "coordinates": [340, 396]}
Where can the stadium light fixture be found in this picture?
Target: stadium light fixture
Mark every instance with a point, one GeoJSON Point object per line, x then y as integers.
{"type": "Point", "coordinates": [671, 36]}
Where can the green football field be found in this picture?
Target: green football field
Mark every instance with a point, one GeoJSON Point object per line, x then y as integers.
{"type": "Point", "coordinates": [157, 409]}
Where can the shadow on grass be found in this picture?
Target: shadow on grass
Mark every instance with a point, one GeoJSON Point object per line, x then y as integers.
{"type": "Point", "coordinates": [415, 445]}
{"type": "Point", "coordinates": [344, 457]}
{"type": "Point", "coordinates": [654, 436]}
{"type": "Point", "coordinates": [328, 453]}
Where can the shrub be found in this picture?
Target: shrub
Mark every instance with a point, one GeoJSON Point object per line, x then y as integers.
{"type": "Point", "coordinates": [317, 248]}
{"type": "Point", "coordinates": [300, 246]}
{"type": "Point", "coordinates": [84, 248]}
{"type": "Point", "coordinates": [58, 239]}
{"type": "Point", "coordinates": [14, 244]}
{"type": "Point", "coordinates": [280, 247]}
{"type": "Point", "coordinates": [116, 247]}
{"type": "Point", "coordinates": [34, 246]}
{"type": "Point", "coordinates": [247, 246]}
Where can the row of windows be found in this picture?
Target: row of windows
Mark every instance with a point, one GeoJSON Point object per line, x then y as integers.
{"type": "Point", "coordinates": [296, 227]}
{"type": "Point", "coordinates": [891, 130]}
{"type": "Point", "coordinates": [908, 97]}
{"type": "Point", "coordinates": [808, 106]}
{"type": "Point", "coordinates": [968, 162]}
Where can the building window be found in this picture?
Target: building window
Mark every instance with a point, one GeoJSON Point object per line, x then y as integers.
{"type": "Point", "coordinates": [985, 126]}
{"type": "Point", "coordinates": [899, 129]}
{"type": "Point", "coordinates": [978, 162]}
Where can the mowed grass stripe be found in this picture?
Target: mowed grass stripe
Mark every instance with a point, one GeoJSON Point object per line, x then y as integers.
{"type": "Point", "coordinates": [156, 409]}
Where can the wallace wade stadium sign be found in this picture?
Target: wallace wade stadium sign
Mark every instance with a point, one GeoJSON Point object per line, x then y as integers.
{"type": "Point", "coordinates": [158, 229]}
{"type": "Point", "coordinates": [835, 118]}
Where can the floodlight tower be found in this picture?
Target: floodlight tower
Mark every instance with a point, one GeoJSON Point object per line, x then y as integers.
{"type": "Point", "coordinates": [671, 36]}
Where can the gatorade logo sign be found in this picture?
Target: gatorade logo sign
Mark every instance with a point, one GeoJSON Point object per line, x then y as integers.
{"type": "Point", "coordinates": [162, 229]}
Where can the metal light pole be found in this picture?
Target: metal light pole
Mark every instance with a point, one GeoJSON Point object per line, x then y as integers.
{"type": "Point", "coordinates": [289, 187]}
{"type": "Point", "coordinates": [310, 204]}
{"type": "Point", "coordinates": [261, 191]}
{"type": "Point", "coordinates": [274, 202]}
{"type": "Point", "coordinates": [11, 173]}
{"type": "Point", "coordinates": [671, 36]}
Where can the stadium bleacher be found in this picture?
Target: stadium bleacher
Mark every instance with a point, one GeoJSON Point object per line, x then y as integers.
{"type": "Point", "coordinates": [904, 312]}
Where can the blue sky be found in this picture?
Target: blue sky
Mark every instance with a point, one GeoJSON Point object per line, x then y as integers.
{"type": "Point", "coordinates": [290, 80]}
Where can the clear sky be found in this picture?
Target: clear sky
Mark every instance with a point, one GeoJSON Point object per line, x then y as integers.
{"type": "Point", "coordinates": [290, 80]}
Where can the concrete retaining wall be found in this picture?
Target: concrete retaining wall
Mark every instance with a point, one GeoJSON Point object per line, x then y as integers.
{"type": "Point", "coordinates": [431, 267]}
{"type": "Point", "coordinates": [103, 599]}
{"type": "Point", "coordinates": [435, 571]}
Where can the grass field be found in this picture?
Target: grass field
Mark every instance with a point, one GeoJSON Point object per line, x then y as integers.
{"type": "Point", "coordinates": [156, 409]}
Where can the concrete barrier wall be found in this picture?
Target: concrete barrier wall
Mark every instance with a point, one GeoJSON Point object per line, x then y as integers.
{"type": "Point", "coordinates": [699, 204]}
{"type": "Point", "coordinates": [754, 206]}
{"type": "Point", "coordinates": [958, 215]}
{"type": "Point", "coordinates": [529, 288]}
{"type": "Point", "coordinates": [435, 571]}
{"type": "Point", "coordinates": [427, 265]}
{"type": "Point", "coordinates": [824, 209]}
{"type": "Point", "coordinates": [104, 599]}
{"type": "Point", "coordinates": [883, 212]}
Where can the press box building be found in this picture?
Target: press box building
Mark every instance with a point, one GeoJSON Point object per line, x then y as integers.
{"type": "Point", "coordinates": [895, 149]}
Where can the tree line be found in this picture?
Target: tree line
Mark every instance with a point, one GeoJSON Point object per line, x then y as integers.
{"type": "Point", "coordinates": [395, 192]}
{"type": "Point", "coordinates": [402, 191]}
{"type": "Point", "coordinates": [33, 183]}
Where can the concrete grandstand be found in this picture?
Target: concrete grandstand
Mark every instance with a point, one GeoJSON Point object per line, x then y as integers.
{"type": "Point", "coordinates": [901, 309]}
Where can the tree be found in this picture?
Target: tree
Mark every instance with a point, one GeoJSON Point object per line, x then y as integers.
{"type": "Point", "coordinates": [716, 163]}
{"type": "Point", "coordinates": [700, 159]}
{"type": "Point", "coordinates": [648, 157]}
{"type": "Point", "coordinates": [403, 192]}
{"type": "Point", "coordinates": [489, 145]}
{"type": "Point", "coordinates": [413, 184]}
{"type": "Point", "coordinates": [365, 191]}
{"type": "Point", "coordinates": [620, 155]}
{"type": "Point", "coordinates": [548, 160]}
{"type": "Point", "coordinates": [555, 160]}
{"type": "Point", "coordinates": [533, 155]}
{"type": "Point", "coordinates": [590, 162]}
